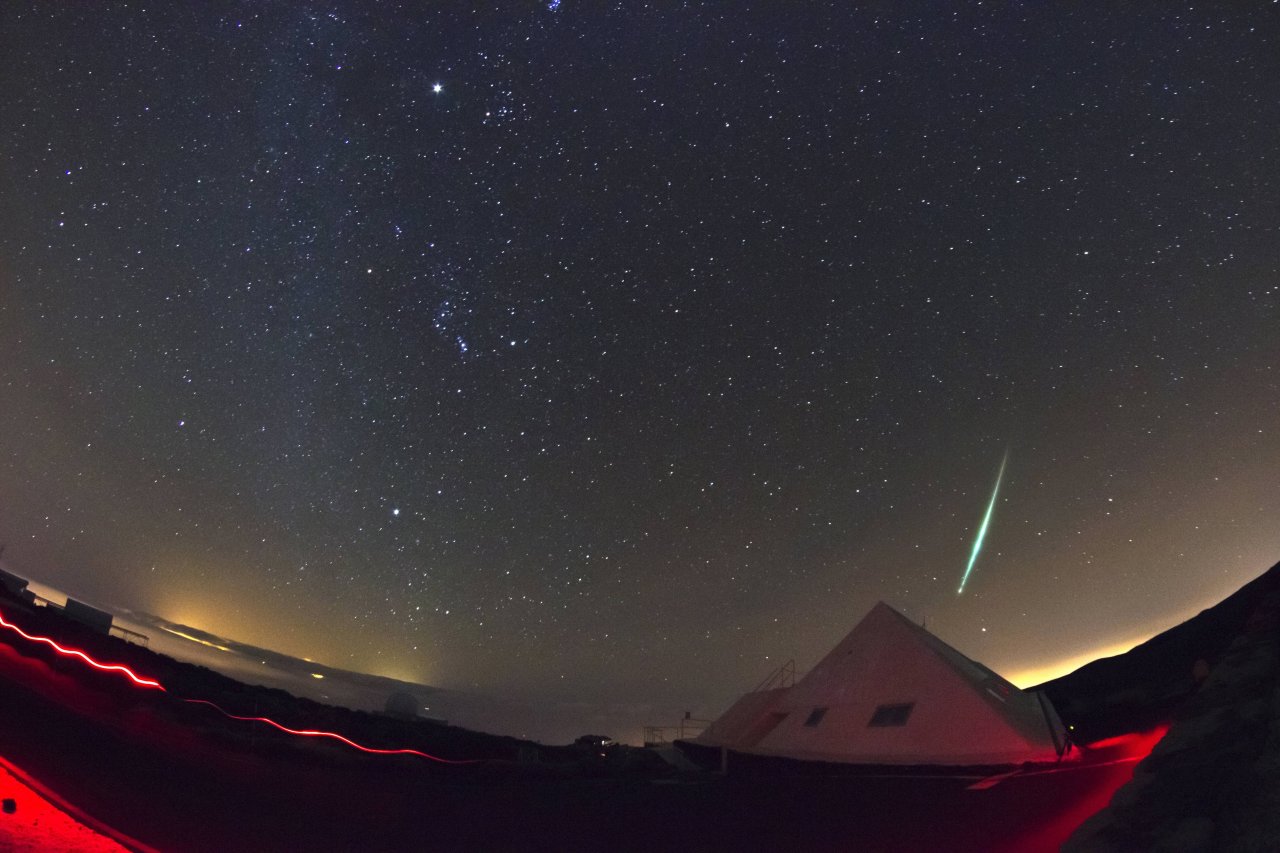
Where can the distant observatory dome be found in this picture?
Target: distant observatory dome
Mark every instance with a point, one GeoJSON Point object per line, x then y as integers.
{"type": "Point", "coordinates": [401, 704]}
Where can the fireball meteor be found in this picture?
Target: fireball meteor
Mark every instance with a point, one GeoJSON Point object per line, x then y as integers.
{"type": "Point", "coordinates": [982, 531]}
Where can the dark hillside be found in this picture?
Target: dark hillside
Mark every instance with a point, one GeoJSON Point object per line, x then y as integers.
{"type": "Point", "coordinates": [1147, 684]}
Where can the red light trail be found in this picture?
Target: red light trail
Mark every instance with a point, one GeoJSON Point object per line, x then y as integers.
{"type": "Point", "coordinates": [150, 683]}
{"type": "Point", "coordinates": [76, 653]}
{"type": "Point", "coordinates": [315, 733]}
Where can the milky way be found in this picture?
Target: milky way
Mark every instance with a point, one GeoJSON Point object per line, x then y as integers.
{"type": "Point", "coordinates": [621, 354]}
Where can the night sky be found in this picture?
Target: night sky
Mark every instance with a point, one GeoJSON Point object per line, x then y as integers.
{"type": "Point", "coordinates": [621, 354]}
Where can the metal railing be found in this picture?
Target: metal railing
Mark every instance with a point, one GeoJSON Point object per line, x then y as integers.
{"type": "Point", "coordinates": [783, 676]}
{"type": "Point", "coordinates": [130, 636]}
{"type": "Point", "coordinates": [688, 727]}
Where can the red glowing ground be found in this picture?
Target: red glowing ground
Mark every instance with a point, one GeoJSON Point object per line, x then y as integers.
{"type": "Point", "coordinates": [1102, 769]}
{"type": "Point", "coordinates": [90, 754]}
{"type": "Point", "coordinates": [38, 826]}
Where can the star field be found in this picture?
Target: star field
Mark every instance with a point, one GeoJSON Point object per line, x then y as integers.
{"type": "Point", "coordinates": [624, 353]}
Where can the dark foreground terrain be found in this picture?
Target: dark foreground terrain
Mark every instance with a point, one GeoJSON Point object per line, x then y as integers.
{"type": "Point", "coordinates": [175, 775]}
{"type": "Point", "coordinates": [1213, 783]}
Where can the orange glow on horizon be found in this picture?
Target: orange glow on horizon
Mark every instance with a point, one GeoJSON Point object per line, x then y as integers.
{"type": "Point", "coordinates": [149, 683]}
{"type": "Point", "coordinates": [195, 639]}
{"type": "Point", "coordinates": [1040, 674]}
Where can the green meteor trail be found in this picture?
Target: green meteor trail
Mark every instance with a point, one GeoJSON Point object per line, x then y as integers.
{"type": "Point", "coordinates": [982, 531]}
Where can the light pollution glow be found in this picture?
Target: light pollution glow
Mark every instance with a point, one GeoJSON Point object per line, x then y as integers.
{"type": "Point", "coordinates": [1040, 674]}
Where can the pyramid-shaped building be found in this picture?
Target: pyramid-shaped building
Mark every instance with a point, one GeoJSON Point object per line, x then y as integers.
{"type": "Point", "coordinates": [892, 693]}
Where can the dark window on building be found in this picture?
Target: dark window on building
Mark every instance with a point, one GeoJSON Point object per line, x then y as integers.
{"type": "Point", "coordinates": [892, 715]}
{"type": "Point", "coordinates": [815, 717]}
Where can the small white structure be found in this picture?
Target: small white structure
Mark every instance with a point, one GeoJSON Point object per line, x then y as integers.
{"type": "Point", "coordinates": [892, 693]}
{"type": "Point", "coordinates": [401, 704]}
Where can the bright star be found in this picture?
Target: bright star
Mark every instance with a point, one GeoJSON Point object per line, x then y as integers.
{"type": "Point", "coordinates": [395, 511]}
{"type": "Point", "coordinates": [437, 88]}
